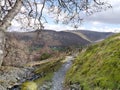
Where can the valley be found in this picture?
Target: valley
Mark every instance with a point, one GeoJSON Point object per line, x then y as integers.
{"type": "Point", "coordinates": [49, 68]}
{"type": "Point", "coordinates": [59, 45]}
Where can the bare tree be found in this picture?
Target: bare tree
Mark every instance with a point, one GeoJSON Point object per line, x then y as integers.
{"type": "Point", "coordinates": [71, 9]}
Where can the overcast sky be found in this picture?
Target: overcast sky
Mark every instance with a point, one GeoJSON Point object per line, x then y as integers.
{"type": "Point", "coordinates": [103, 21]}
{"type": "Point", "coordinates": [108, 21]}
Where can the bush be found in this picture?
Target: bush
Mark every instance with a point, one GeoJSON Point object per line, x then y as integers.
{"type": "Point", "coordinates": [45, 56]}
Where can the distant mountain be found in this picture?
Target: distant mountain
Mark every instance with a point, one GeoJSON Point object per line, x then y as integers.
{"type": "Point", "coordinates": [63, 38]}
{"type": "Point", "coordinates": [91, 35]}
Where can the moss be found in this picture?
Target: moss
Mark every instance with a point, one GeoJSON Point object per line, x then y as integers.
{"type": "Point", "coordinates": [29, 86]}
{"type": "Point", "coordinates": [49, 67]}
{"type": "Point", "coordinates": [46, 78]}
{"type": "Point", "coordinates": [98, 67]}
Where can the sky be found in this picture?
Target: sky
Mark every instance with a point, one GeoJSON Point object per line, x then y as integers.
{"type": "Point", "coordinates": [105, 21]}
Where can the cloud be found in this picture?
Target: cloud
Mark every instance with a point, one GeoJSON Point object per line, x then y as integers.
{"type": "Point", "coordinates": [58, 27]}
{"type": "Point", "coordinates": [111, 16]}
{"type": "Point", "coordinates": [108, 20]}
{"type": "Point", "coordinates": [105, 29]}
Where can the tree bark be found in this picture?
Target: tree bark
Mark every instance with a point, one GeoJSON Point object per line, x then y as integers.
{"type": "Point", "coordinates": [4, 24]}
{"type": "Point", "coordinates": [2, 43]}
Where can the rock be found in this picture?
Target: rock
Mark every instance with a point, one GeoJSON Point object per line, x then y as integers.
{"type": "Point", "coordinates": [75, 87]}
{"type": "Point", "coordinates": [16, 87]}
{"type": "Point", "coordinates": [46, 86]}
{"type": "Point", "coordinates": [10, 76]}
{"type": "Point", "coordinates": [2, 88]}
{"type": "Point", "coordinates": [49, 83]}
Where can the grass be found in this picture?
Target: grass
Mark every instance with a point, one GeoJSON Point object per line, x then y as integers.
{"type": "Point", "coordinates": [49, 66]}
{"type": "Point", "coordinates": [97, 67]}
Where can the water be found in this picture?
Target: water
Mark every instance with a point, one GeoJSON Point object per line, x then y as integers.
{"type": "Point", "coordinates": [59, 76]}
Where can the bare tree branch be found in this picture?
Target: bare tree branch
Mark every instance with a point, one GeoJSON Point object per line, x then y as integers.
{"type": "Point", "coordinates": [41, 12]}
{"type": "Point", "coordinates": [11, 14]}
{"type": "Point", "coordinates": [71, 8]}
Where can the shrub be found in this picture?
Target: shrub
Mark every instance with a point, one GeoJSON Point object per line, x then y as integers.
{"type": "Point", "coordinates": [45, 56]}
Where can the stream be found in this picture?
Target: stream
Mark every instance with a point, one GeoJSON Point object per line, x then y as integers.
{"type": "Point", "coordinates": [59, 76]}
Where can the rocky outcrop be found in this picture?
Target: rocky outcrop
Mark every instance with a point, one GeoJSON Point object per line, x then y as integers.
{"type": "Point", "coordinates": [10, 76]}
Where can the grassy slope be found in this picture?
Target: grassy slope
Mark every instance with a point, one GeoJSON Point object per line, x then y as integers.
{"type": "Point", "coordinates": [98, 67]}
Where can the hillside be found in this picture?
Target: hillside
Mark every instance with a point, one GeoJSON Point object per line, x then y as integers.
{"type": "Point", "coordinates": [54, 39]}
{"type": "Point", "coordinates": [98, 66]}
{"type": "Point", "coordinates": [51, 38]}
{"type": "Point", "coordinates": [91, 35]}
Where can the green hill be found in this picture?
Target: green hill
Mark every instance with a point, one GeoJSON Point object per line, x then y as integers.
{"type": "Point", "coordinates": [98, 66]}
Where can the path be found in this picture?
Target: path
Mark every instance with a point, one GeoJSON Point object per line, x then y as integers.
{"type": "Point", "coordinates": [59, 76]}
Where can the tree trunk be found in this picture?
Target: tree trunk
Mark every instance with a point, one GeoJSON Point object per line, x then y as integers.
{"type": "Point", "coordinates": [5, 23]}
{"type": "Point", "coordinates": [2, 43]}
